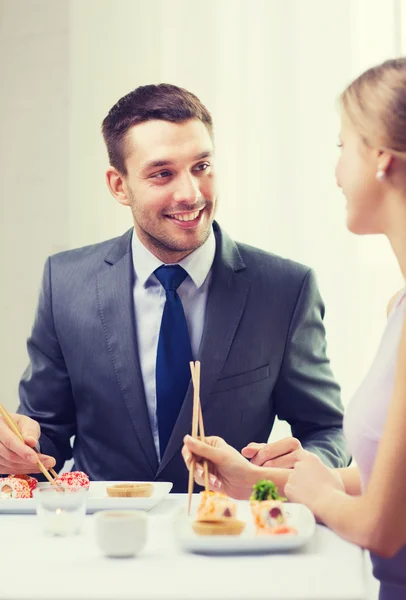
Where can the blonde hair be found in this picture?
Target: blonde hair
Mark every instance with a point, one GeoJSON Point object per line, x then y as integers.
{"type": "Point", "coordinates": [375, 104]}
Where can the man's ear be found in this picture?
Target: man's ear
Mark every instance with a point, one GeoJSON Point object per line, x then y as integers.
{"type": "Point", "coordinates": [117, 186]}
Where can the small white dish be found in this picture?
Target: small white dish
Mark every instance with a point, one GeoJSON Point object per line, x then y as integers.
{"type": "Point", "coordinates": [299, 516]}
{"type": "Point", "coordinates": [121, 533]}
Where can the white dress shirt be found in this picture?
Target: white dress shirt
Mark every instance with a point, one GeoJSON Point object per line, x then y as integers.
{"type": "Point", "coordinates": [149, 301]}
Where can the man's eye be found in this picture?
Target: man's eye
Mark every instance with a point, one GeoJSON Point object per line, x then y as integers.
{"type": "Point", "coordinates": [202, 167]}
{"type": "Point", "coordinates": [161, 175]}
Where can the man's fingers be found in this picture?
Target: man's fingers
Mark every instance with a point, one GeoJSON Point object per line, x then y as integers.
{"type": "Point", "coordinates": [17, 469]}
{"type": "Point", "coordinates": [10, 456]}
{"type": "Point", "coordinates": [29, 428]}
{"type": "Point", "coordinates": [276, 450]}
{"type": "Point", "coordinates": [13, 468]}
{"type": "Point", "coordinates": [9, 468]}
{"type": "Point", "coordinates": [13, 443]}
{"type": "Point", "coordinates": [259, 454]}
{"type": "Point", "coordinates": [252, 449]}
{"type": "Point", "coordinates": [48, 461]}
{"type": "Point", "coordinates": [288, 461]}
{"type": "Point", "coordinates": [286, 445]}
{"type": "Point", "coordinates": [30, 440]}
{"type": "Point", "coordinates": [11, 463]}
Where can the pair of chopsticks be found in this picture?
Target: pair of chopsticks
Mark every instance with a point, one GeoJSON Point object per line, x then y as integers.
{"type": "Point", "coordinates": [197, 423]}
{"type": "Point", "coordinates": [14, 427]}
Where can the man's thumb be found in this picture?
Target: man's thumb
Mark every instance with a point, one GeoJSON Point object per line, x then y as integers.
{"type": "Point", "coordinates": [249, 452]}
{"type": "Point", "coordinates": [30, 439]}
{"type": "Point", "coordinates": [30, 432]}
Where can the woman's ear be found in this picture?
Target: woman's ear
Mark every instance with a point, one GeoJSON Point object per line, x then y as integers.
{"type": "Point", "coordinates": [383, 161]}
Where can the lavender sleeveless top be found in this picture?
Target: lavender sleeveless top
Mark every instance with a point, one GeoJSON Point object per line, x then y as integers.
{"type": "Point", "coordinates": [363, 425]}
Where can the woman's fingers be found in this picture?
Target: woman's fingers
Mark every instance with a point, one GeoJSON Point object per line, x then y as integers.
{"type": "Point", "coordinates": [214, 482]}
{"type": "Point", "coordinates": [202, 449]}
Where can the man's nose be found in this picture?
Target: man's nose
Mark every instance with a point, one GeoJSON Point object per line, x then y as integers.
{"type": "Point", "coordinates": [187, 189]}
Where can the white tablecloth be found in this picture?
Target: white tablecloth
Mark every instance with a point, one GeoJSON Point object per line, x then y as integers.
{"type": "Point", "coordinates": [37, 567]}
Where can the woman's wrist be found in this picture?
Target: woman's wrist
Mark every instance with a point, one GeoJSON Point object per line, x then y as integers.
{"type": "Point", "coordinates": [325, 502]}
{"type": "Point", "coordinates": [277, 475]}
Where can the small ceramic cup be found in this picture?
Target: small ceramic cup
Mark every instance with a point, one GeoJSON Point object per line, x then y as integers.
{"type": "Point", "coordinates": [121, 533]}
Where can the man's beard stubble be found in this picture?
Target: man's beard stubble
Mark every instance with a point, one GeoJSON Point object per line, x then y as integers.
{"type": "Point", "coordinates": [163, 243]}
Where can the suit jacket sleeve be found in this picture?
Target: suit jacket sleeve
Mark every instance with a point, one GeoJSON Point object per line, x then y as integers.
{"type": "Point", "coordinates": [306, 394]}
{"type": "Point", "coordinates": [45, 388]}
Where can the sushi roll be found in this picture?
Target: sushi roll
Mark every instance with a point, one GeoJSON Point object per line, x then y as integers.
{"type": "Point", "coordinates": [267, 510]}
{"type": "Point", "coordinates": [75, 479]}
{"type": "Point", "coordinates": [215, 507]}
{"type": "Point", "coordinates": [268, 514]}
{"type": "Point", "coordinates": [32, 482]}
{"type": "Point", "coordinates": [216, 515]}
{"type": "Point", "coordinates": [13, 487]}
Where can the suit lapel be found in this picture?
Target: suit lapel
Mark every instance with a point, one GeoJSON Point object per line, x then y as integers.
{"type": "Point", "coordinates": [225, 306]}
{"type": "Point", "coordinates": [116, 306]}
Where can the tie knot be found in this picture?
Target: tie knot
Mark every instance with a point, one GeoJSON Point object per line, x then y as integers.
{"type": "Point", "coordinates": [170, 277]}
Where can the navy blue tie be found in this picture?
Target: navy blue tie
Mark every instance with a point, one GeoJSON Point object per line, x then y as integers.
{"type": "Point", "coordinates": [173, 356]}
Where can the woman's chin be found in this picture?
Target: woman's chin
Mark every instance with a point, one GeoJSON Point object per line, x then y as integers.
{"type": "Point", "coordinates": [358, 227]}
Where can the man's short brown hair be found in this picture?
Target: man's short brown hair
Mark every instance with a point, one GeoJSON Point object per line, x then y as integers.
{"type": "Point", "coordinates": [164, 102]}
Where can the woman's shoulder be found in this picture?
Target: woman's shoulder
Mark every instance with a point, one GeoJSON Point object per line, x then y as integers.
{"type": "Point", "coordinates": [394, 300]}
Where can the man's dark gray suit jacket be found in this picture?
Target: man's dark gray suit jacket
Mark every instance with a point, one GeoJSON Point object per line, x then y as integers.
{"type": "Point", "coordinates": [263, 353]}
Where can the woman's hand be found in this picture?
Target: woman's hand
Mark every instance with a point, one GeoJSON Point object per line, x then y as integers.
{"type": "Point", "coordinates": [310, 482]}
{"type": "Point", "coordinates": [229, 471]}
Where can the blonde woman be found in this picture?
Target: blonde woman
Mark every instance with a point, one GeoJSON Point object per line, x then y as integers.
{"type": "Point", "coordinates": [366, 504]}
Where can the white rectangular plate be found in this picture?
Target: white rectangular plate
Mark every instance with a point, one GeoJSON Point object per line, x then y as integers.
{"type": "Point", "coordinates": [97, 499]}
{"type": "Point", "coordinates": [299, 516]}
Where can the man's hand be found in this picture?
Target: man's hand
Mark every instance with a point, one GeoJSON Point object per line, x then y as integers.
{"type": "Point", "coordinates": [15, 456]}
{"type": "Point", "coordinates": [283, 454]}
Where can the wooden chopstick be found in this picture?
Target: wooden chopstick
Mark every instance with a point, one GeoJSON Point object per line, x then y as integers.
{"type": "Point", "coordinates": [14, 427]}
{"type": "Point", "coordinates": [201, 425]}
{"type": "Point", "coordinates": [194, 434]}
{"type": "Point", "coordinates": [197, 422]}
{"type": "Point", "coordinates": [51, 470]}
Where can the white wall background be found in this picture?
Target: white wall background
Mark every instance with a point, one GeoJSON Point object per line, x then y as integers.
{"type": "Point", "coordinates": [269, 71]}
{"type": "Point", "coordinates": [34, 200]}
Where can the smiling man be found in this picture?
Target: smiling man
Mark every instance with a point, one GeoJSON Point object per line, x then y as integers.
{"type": "Point", "coordinates": [118, 322]}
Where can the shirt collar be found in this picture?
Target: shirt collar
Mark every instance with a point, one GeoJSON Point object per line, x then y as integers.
{"type": "Point", "coordinates": [197, 264]}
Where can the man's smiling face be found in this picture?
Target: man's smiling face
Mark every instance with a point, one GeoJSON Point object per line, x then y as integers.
{"type": "Point", "coordinates": [171, 185]}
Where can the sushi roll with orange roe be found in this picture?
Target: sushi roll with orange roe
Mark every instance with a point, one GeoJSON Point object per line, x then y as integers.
{"type": "Point", "coordinates": [216, 515]}
{"type": "Point", "coordinates": [215, 506]}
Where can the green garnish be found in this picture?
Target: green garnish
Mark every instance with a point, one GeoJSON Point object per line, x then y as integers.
{"type": "Point", "coordinates": [265, 490]}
